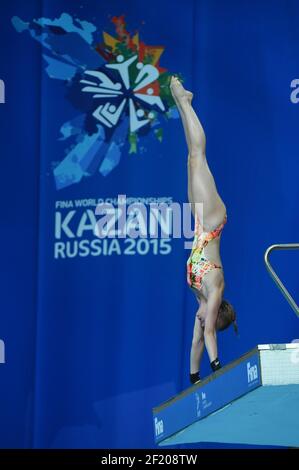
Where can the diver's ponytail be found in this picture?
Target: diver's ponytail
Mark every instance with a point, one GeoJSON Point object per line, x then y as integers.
{"type": "Point", "coordinates": [236, 329]}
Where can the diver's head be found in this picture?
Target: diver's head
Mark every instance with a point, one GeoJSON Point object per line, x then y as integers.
{"type": "Point", "coordinates": [226, 317]}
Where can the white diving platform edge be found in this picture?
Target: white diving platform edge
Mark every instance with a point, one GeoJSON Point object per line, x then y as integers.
{"type": "Point", "coordinates": [253, 400]}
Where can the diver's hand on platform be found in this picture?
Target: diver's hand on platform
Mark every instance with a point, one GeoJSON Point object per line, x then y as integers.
{"type": "Point", "coordinates": [215, 365]}
{"type": "Point", "coordinates": [194, 378]}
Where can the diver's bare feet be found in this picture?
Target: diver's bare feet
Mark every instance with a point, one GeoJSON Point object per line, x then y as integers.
{"type": "Point", "coordinates": [180, 95]}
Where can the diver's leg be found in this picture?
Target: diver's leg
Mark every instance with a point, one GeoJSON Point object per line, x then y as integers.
{"type": "Point", "coordinates": [187, 136]}
{"type": "Point", "coordinates": [194, 133]}
{"type": "Point", "coordinates": [200, 179]}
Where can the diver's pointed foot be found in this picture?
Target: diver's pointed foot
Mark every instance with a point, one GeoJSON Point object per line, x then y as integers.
{"type": "Point", "coordinates": [178, 91]}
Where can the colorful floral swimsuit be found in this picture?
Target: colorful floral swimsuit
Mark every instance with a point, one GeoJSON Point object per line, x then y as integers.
{"type": "Point", "coordinates": [198, 265]}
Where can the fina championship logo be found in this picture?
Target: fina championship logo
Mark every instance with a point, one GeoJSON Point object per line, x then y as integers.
{"type": "Point", "coordinates": [117, 87]}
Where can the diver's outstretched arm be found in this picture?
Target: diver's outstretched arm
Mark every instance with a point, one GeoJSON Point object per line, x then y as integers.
{"type": "Point", "coordinates": [213, 304]}
{"type": "Point", "coordinates": [197, 347]}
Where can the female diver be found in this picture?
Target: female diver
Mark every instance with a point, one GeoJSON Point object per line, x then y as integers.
{"type": "Point", "coordinates": [204, 269]}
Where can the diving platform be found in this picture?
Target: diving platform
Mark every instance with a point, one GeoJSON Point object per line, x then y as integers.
{"type": "Point", "coordinates": [253, 400]}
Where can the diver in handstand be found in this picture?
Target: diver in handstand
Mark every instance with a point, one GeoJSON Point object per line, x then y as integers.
{"type": "Point", "coordinates": [204, 268]}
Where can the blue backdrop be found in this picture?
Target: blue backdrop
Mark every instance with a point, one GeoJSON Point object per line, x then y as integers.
{"type": "Point", "coordinates": [97, 333]}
